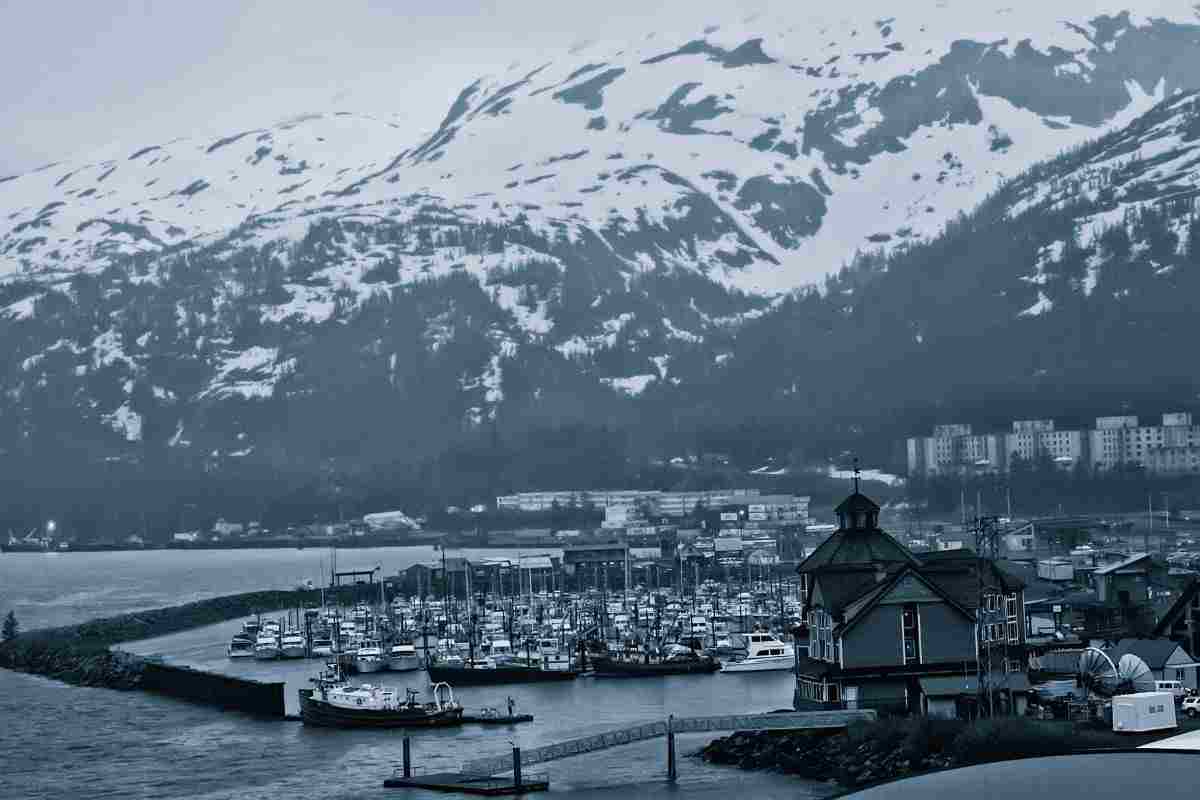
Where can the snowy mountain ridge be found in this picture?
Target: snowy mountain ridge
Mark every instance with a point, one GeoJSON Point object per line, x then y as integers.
{"type": "Point", "coordinates": [799, 141]}
{"type": "Point", "coordinates": [574, 233]}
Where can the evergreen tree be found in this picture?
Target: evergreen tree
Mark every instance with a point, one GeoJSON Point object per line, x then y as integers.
{"type": "Point", "coordinates": [11, 628]}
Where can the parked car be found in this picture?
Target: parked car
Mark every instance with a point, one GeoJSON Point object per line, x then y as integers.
{"type": "Point", "coordinates": [1191, 706]}
{"type": "Point", "coordinates": [1174, 687]}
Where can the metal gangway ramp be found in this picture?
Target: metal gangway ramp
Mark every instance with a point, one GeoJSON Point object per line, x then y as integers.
{"type": "Point", "coordinates": [791, 720]}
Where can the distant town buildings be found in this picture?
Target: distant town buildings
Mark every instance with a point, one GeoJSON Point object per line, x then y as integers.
{"type": "Point", "coordinates": [670, 504]}
{"type": "Point", "coordinates": [1170, 448]}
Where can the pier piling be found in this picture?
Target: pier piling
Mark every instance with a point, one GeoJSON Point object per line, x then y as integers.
{"type": "Point", "coordinates": [672, 772]}
{"type": "Point", "coordinates": [517, 767]}
{"type": "Point", "coordinates": [407, 757]}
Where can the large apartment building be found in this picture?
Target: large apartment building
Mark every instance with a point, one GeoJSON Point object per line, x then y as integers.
{"type": "Point", "coordinates": [1170, 448]}
{"type": "Point", "coordinates": [954, 449]}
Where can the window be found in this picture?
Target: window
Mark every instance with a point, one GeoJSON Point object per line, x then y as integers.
{"type": "Point", "coordinates": [1010, 606]}
{"type": "Point", "coordinates": [1179, 675]}
{"type": "Point", "coordinates": [1013, 633]}
{"type": "Point", "coordinates": [910, 629]}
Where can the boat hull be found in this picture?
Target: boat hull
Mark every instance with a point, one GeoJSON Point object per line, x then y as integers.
{"type": "Point", "coordinates": [409, 663]}
{"type": "Point", "coordinates": [314, 711]}
{"type": "Point", "coordinates": [613, 668]}
{"type": "Point", "coordinates": [463, 676]}
{"type": "Point", "coordinates": [292, 651]}
{"type": "Point", "coordinates": [761, 665]}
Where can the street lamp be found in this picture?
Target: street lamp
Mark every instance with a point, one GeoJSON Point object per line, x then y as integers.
{"type": "Point", "coordinates": [50, 527]}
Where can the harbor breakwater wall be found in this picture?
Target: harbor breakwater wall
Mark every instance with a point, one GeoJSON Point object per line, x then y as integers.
{"type": "Point", "coordinates": [224, 691]}
{"type": "Point", "coordinates": [83, 654]}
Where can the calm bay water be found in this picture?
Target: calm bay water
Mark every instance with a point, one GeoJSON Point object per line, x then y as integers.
{"type": "Point", "coordinates": [60, 741]}
{"type": "Point", "coordinates": [47, 589]}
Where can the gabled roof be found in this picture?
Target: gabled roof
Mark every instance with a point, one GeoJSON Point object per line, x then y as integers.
{"type": "Point", "coordinates": [840, 587]}
{"type": "Point", "coordinates": [1154, 652]}
{"type": "Point", "coordinates": [956, 575]}
{"type": "Point", "coordinates": [857, 611]}
{"type": "Point", "coordinates": [1120, 565]}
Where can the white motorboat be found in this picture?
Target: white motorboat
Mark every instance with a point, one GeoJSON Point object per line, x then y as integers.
{"type": "Point", "coordinates": [369, 658]}
{"type": "Point", "coordinates": [241, 647]}
{"type": "Point", "coordinates": [266, 647]}
{"type": "Point", "coordinates": [291, 645]}
{"type": "Point", "coordinates": [322, 646]}
{"type": "Point", "coordinates": [403, 658]}
{"type": "Point", "coordinates": [763, 652]}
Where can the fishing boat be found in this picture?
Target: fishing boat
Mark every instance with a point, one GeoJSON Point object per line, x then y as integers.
{"type": "Point", "coordinates": [403, 658]}
{"type": "Point", "coordinates": [334, 703]}
{"type": "Point", "coordinates": [369, 658]}
{"type": "Point", "coordinates": [291, 645]}
{"type": "Point", "coordinates": [763, 652]}
{"type": "Point", "coordinates": [675, 660]}
{"type": "Point", "coordinates": [266, 647]}
{"type": "Point", "coordinates": [241, 646]}
{"type": "Point", "coordinates": [483, 672]}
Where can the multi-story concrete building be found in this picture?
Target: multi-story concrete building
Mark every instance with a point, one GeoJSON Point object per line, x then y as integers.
{"type": "Point", "coordinates": [1171, 448]}
{"type": "Point", "coordinates": [1035, 439]}
{"type": "Point", "coordinates": [955, 450]}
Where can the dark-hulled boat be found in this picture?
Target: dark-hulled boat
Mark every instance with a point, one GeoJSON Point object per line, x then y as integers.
{"type": "Point", "coordinates": [490, 676]}
{"type": "Point", "coordinates": [608, 667]}
{"type": "Point", "coordinates": [337, 704]}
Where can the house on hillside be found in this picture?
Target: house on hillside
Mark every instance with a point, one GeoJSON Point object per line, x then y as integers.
{"type": "Point", "coordinates": [890, 629]}
{"type": "Point", "coordinates": [1168, 660]}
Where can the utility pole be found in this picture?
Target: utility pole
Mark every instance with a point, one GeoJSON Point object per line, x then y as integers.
{"type": "Point", "coordinates": [986, 540]}
{"type": "Point", "coordinates": [1149, 520]}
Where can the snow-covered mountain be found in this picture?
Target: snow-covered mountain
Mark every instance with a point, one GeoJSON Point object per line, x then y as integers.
{"type": "Point", "coordinates": [770, 149]}
{"type": "Point", "coordinates": [635, 219]}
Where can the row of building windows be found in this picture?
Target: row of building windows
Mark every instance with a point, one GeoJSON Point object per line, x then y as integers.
{"type": "Point", "coordinates": [1000, 633]}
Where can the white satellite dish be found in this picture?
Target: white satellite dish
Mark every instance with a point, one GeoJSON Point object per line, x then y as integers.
{"type": "Point", "coordinates": [1099, 674]}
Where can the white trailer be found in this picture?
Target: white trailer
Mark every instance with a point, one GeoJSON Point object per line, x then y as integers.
{"type": "Point", "coordinates": [1143, 711]}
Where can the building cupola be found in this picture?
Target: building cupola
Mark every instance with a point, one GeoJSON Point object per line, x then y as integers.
{"type": "Point", "coordinates": [858, 512]}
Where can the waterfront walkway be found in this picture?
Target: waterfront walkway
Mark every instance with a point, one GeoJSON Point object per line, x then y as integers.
{"type": "Point", "coordinates": [791, 720]}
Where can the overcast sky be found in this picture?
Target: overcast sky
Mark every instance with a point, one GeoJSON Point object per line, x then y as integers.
{"type": "Point", "coordinates": [79, 74]}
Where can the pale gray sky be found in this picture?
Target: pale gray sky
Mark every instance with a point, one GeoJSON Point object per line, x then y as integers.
{"type": "Point", "coordinates": [79, 74]}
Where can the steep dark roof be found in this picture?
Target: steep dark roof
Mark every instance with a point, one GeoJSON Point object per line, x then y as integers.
{"type": "Point", "coordinates": [955, 572]}
{"type": "Point", "coordinates": [1154, 652]}
{"type": "Point", "coordinates": [840, 587]}
{"type": "Point", "coordinates": [859, 609]}
{"type": "Point", "coordinates": [856, 502]}
{"type": "Point", "coordinates": [857, 547]}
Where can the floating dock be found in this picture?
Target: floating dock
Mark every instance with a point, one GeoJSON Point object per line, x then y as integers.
{"type": "Point", "coordinates": [490, 719]}
{"type": "Point", "coordinates": [468, 784]}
